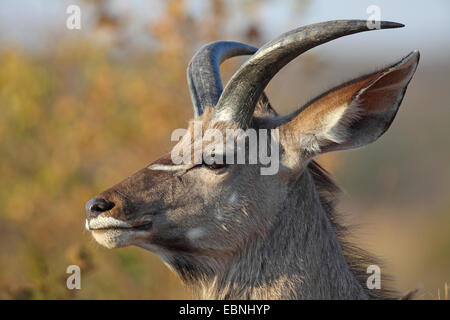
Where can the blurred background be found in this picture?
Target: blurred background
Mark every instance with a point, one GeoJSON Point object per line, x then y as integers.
{"type": "Point", "coordinates": [83, 109]}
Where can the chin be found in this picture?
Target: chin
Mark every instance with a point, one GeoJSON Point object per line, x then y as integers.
{"type": "Point", "coordinates": [113, 238]}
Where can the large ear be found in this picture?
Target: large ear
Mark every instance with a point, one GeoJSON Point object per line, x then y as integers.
{"type": "Point", "coordinates": [351, 115]}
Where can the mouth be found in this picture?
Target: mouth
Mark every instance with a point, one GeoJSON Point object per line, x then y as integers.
{"type": "Point", "coordinates": [142, 227]}
{"type": "Point", "coordinates": [114, 233]}
{"type": "Point", "coordinates": [111, 224]}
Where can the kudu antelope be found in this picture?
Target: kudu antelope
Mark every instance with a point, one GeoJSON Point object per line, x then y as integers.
{"type": "Point", "coordinates": [230, 232]}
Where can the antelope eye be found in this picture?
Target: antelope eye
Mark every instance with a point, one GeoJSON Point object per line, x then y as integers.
{"type": "Point", "coordinates": [212, 165]}
{"type": "Point", "coordinates": [215, 166]}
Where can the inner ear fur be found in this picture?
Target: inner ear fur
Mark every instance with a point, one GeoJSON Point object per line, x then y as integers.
{"type": "Point", "coordinates": [350, 115]}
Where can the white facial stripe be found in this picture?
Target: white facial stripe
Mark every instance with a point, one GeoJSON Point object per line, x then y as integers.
{"type": "Point", "coordinates": [107, 222]}
{"type": "Point", "coordinates": [165, 167]}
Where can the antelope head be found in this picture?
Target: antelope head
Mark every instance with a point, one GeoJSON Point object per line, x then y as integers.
{"type": "Point", "coordinates": [200, 217]}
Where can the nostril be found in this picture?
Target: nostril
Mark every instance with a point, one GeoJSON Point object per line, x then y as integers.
{"type": "Point", "coordinates": [98, 205]}
{"type": "Point", "coordinates": [102, 206]}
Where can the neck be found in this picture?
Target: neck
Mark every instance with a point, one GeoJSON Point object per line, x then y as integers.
{"type": "Point", "coordinates": [308, 262]}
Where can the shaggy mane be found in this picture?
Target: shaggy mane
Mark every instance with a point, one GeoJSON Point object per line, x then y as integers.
{"type": "Point", "coordinates": [358, 259]}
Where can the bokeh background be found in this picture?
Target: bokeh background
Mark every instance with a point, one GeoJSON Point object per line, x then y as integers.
{"type": "Point", "coordinates": [83, 109]}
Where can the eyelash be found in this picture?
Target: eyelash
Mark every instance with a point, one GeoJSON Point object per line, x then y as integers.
{"type": "Point", "coordinates": [215, 166]}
